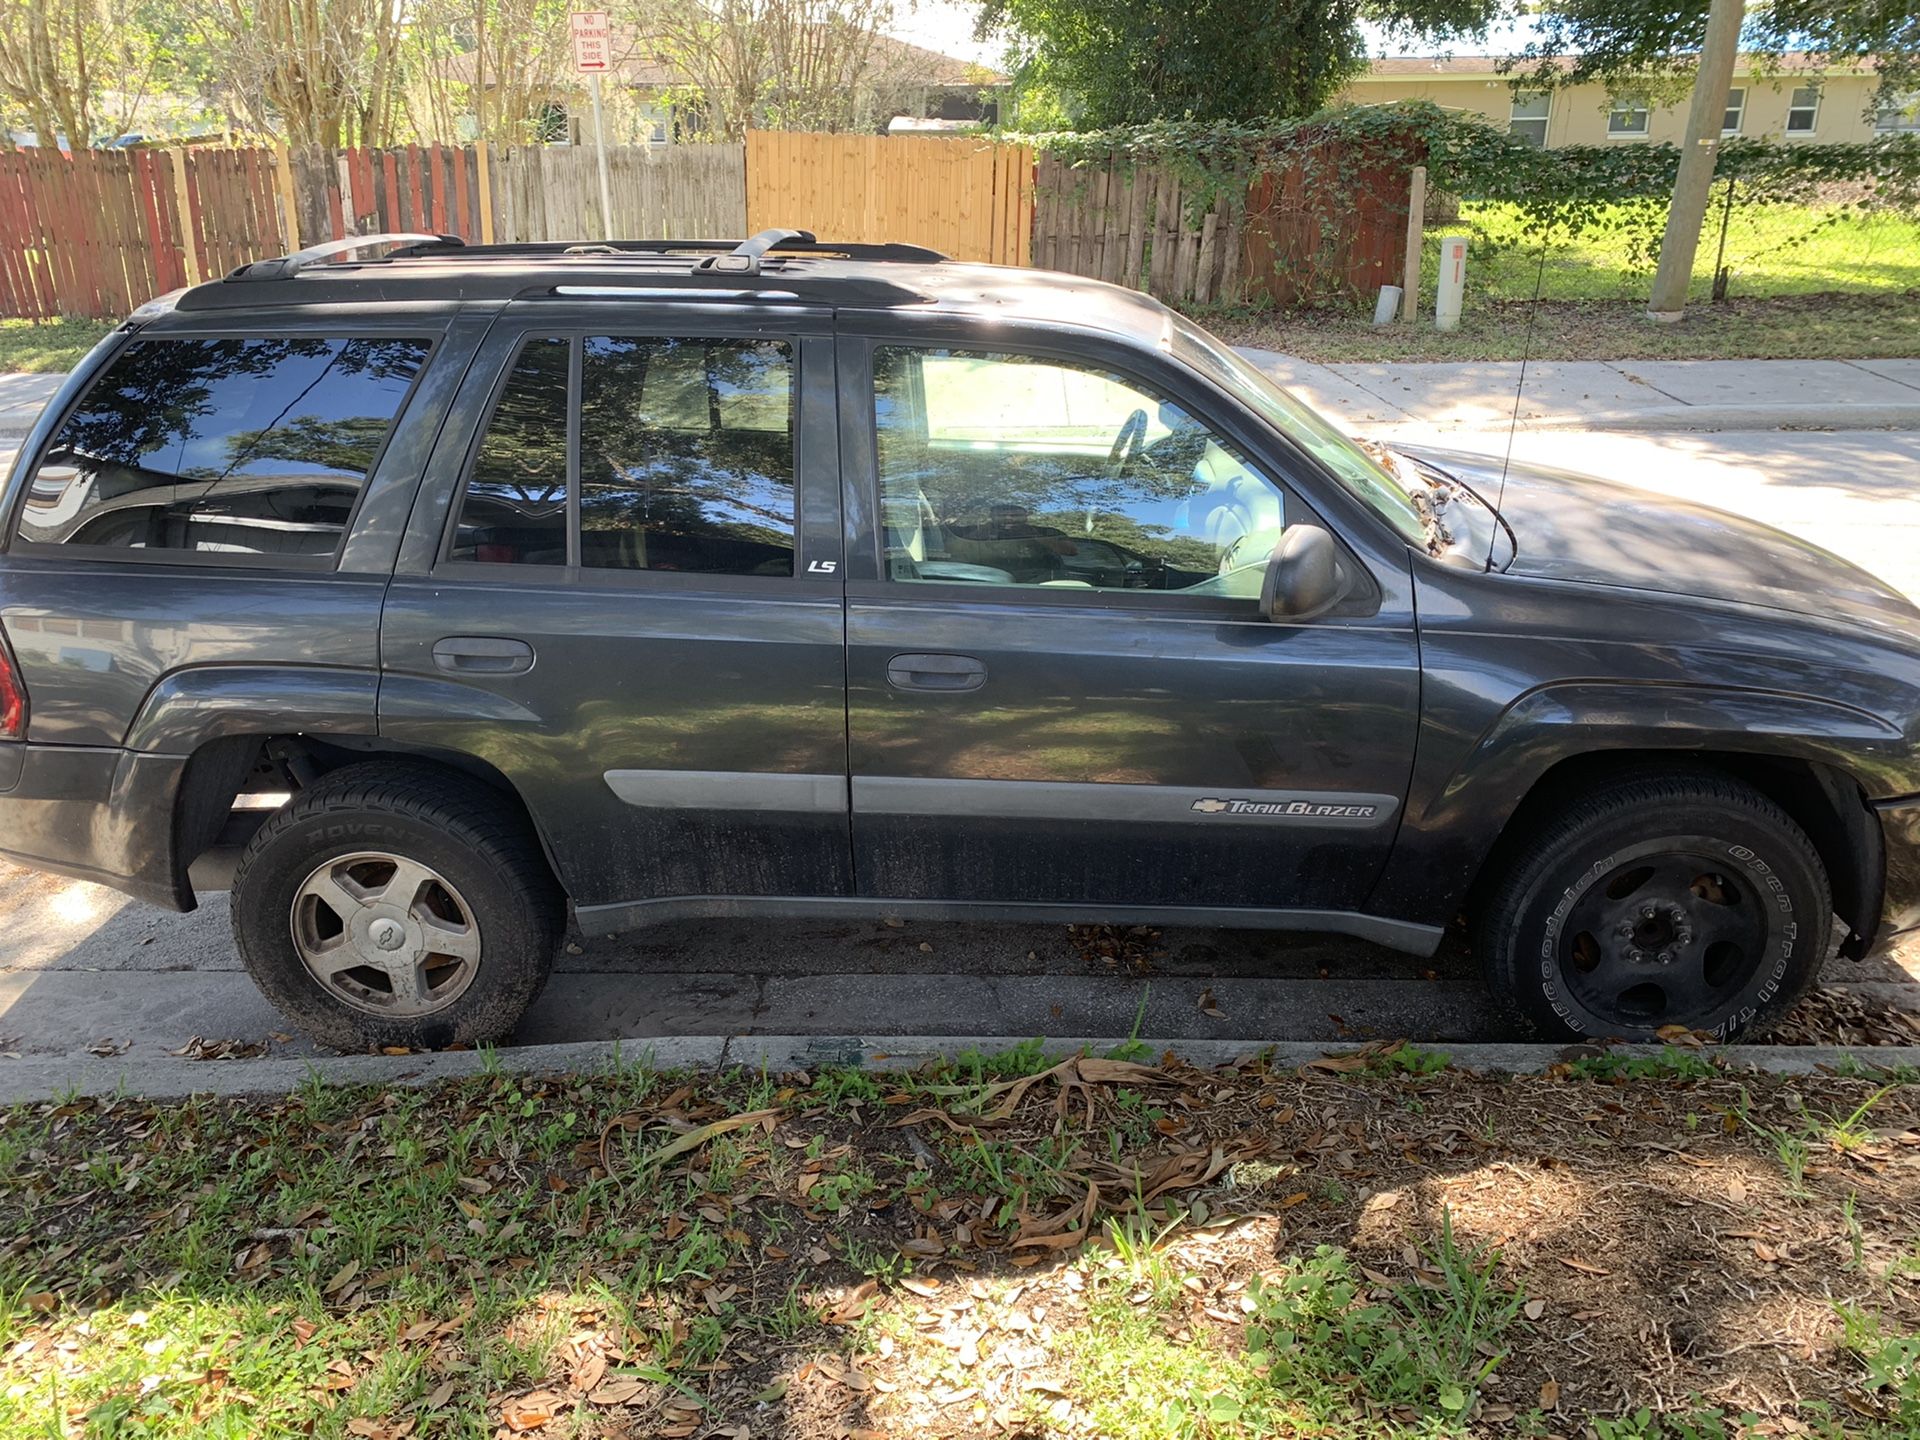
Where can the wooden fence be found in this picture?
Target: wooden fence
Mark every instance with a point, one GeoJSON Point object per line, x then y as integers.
{"type": "Point", "coordinates": [98, 233]}
{"type": "Point", "coordinates": [965, 197]}
{"type": "Point", "coordinates": [1140, 226]}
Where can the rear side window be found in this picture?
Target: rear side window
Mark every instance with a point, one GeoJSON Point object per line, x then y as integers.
{"type": "Point", "coordinates": [254, 447]}
{"type": "Point", "coordinates": [685, 459]}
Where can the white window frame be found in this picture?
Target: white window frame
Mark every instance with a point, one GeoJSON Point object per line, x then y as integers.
{"type": "Point", "coordinates": [1543, 120]}
{"type": "Point", "coordinates": [1899, 116]}
{"type": "Point", "coordinates": [1812, 111]}
{"type": "Point", "coordinates": [1640, 105]}
{"type": "Point", "coordinates": [1737, 109]}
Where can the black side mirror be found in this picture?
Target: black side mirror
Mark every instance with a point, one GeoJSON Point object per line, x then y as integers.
{"type": "Point", "coordinates": [1304, 576]}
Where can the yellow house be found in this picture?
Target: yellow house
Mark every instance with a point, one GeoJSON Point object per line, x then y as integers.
{"type": "Point", "coordinates": [1792, 101]}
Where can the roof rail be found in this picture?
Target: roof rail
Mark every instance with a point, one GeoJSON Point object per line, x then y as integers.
{"type": "Point", "coordinates": [287, 266]}
{"type": "Point", "coordinates": [664, 250]}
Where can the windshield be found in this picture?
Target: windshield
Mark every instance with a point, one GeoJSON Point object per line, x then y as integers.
{"type": "Point", "coordinates": [1351, 465]}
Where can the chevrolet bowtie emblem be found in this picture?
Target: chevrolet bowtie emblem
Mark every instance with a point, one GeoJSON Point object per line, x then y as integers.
{"type": "Point", "coordinates": [1209, 806]}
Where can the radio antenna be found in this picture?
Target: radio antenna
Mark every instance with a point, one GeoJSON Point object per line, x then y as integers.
{"type": "Point", "coordinates": [1513, 424]}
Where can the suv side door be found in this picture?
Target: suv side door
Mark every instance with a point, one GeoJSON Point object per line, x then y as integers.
{"type": "Point", "coordinates": [1037, 715]}
{"type": "Point", "coordinates": [620, 589]}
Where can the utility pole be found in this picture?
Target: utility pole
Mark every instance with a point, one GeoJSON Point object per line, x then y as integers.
{"type": "Point", "coordinates": [1705, 119]}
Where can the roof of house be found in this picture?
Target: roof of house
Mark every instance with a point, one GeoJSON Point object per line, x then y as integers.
{"type": "Point", "coordinates": [1412, 67]}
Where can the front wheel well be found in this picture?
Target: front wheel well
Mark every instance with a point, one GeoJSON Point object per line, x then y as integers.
{"type": "Point", "coordinates": [1821, 799]}
{"type": "Point", "coordinates": [231, 785]}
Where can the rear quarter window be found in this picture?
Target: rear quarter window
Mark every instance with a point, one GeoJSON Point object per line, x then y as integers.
{"type": "Point", "coordinates": [232, 447]}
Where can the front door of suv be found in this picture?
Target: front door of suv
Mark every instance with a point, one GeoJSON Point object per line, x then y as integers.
{"type": "Point", "coordinates": [1060, 689]}
{"type": "Point", "coordinates": [621, 590]}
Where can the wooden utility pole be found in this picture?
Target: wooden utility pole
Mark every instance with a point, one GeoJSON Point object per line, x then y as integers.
{"type": "Point", "coordinates": [1705, 119]}
{"type": "Point", "coordinates": [485, 180]}
{"type": "Point", "coordinates": [1416, 241]}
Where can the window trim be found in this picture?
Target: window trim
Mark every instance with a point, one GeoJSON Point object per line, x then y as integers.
{"type": "Point", "coordinates": [1173, 603]}
{"type": "Point", "coordinates": [1641, 105]}
{"type": "Point", "coordinates": [1739, 111]}
{"type": "Point", "coordinates": [573, 572]}
{"type": "Point", "coordinates": [1813, 110]}
{"type": "Point", "coordinates": [18, 544]}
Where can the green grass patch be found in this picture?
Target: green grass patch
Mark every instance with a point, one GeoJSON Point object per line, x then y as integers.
{"type": "Point", "coordinates": [1798, 327]}
{"type": "Point", "coordinates": [48, 345]}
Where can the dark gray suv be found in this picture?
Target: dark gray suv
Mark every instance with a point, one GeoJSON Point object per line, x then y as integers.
{"type": "Point", "coordinates": [443, 589]}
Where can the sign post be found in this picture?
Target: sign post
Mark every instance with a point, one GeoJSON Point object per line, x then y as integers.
{"type": "Point", "coordinates": [593, 56]}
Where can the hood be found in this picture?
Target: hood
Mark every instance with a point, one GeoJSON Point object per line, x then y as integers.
{"type": "Point", "coordinates": [1596, 532]}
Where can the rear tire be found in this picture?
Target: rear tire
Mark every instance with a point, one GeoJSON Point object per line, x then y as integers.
{"type": "Point", "coordinates": [395, 905]}
{"type": "Point", "coordinates": [1683, 898]}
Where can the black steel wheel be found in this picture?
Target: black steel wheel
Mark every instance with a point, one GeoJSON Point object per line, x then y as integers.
{"type": "Point", "coordinates": [1675, 899]}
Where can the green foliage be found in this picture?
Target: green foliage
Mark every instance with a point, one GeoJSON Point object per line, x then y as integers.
{"type": "Point", "coordinates": [1891, 1364]}
{"type": "Point", "coordinates": [1430, 1344]}
{"type": "Point", "coordinates": [1670, 1063]}
{"type": "Point", "coordinates": [1124, 62]}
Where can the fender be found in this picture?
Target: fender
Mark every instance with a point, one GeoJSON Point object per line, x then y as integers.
{"type": "Point", "coordinates": [188, 708]}
{"type": "Point", "coordinates": [1453, 820]}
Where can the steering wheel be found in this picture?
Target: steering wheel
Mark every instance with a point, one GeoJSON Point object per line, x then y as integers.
{"type": "Point", "coordinates": [1128, 444]}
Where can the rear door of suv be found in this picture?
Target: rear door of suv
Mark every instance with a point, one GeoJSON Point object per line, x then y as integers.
{"type": "Point", "coordinates": [621, 589]}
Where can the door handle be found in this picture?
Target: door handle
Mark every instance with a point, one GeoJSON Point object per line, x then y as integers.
{"type": "Point", "coordinates": [936, 672]}
{"type": "Point", "coordinates": [482, 655]}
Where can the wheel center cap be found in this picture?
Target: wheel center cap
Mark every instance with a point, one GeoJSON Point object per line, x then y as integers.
{"type": "Point", "coordinates": [387, 934]}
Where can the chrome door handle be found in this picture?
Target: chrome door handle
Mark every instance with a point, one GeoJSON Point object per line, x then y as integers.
{"type": "Point", "coordinates": [936, 672]}
{"type": "Point", "coordinates": [482, 655]}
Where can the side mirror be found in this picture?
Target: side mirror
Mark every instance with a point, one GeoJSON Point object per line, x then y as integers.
{"type": "Point", "coordinates": [1304, 577]}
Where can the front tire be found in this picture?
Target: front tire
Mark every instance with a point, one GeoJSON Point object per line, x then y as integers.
{"type": "Point", "coordinates": [1683, 899]}
{"type": "Point", "coordinates": [394, 905]}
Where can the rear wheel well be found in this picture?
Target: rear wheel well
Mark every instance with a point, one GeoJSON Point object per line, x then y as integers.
{"type": "Point", "coordinates": [1822, 800]}
{"type": "Point", "coordinates": [233, 784]}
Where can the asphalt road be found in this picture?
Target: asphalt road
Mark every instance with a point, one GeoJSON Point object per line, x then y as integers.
{"type": "Point", "coordinates": [82, 967]}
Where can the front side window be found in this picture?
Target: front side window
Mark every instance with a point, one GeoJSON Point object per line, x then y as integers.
{"type": "Point", "coordinates": [1803, 110]}
{"type": "Point", "coordinates": [684, 463]}
{"type": "Point", "coordinates": [226, 446]}
{"type": "Point", "coordinates": [1528, 120]}
{"type": "Point", "coordinates": [1012, 470]}
{"type": "Point", "coordinates": [1628, 118]}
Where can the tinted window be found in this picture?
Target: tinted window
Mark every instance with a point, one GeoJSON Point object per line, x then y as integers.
{"type": "Point", "coordinates": [252, 447]}
{"type": "Point", "coordinates": [515, 508]}
{"type": "Point", "coordinates": [686, 455]}
{"type": "Point", "coordinates": [1010, 470]}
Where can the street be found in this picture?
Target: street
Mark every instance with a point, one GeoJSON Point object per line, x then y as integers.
{"type": "Point", "coordinates": [84, 968]}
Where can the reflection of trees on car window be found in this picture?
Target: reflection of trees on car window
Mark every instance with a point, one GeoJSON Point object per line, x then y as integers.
{"type": "Point", "coordinates": [686, 453]}
{"type": "Point", "coordinates": [250, 445]}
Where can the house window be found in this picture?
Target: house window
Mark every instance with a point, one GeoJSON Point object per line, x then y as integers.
{"type": "Point", "coordinates": [1803, 110]}
{"type": "Point", "coordinates": [1628, 118]}
{"type": "Point", "coordinates": [1736, 111]}
{"type": "Point", "coordinates": [1899, 116]}
{"type": "Point", "coordinates": [1528, 118]}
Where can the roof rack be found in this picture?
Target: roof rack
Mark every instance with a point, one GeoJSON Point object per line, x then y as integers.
{"type": "Point", "coordinates": [796, 243]}
{"type": "Point", "coordinates": [287, 266]}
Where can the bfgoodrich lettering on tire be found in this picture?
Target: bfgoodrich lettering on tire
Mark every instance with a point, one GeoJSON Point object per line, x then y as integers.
{"type": "Point", "coordinates": [1671, 899]}
{"type": "Point", "coordinates": [391, 904]}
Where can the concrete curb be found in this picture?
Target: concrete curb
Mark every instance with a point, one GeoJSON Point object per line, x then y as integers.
{"type": "Point", "coordinates": [173, 1079]}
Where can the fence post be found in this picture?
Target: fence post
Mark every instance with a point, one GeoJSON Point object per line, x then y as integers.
{"type": "Point", "coordinates": [289, 207]}
{"type": "Point", "coordinates": [486, 192]}
{"type": "Point", "coordinates": [1416, 239]}
{"type": "Point", "coordinates": [189, 238]}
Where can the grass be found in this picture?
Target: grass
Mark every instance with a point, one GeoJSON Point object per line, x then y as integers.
{"type": "Point", "coordinates": [1771, 250]}
{"type": "Point", "coordinates": [48, 345]}
{"type": "Point", "coordinates": [1825, 327]}
{"type": "Point", "coordinates": [1391, 1250]}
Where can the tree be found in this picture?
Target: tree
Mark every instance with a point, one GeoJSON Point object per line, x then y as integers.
{"type": "Point", "coordinates": [82, 68]}
{"type": "Point", "coordinates": [1122, 62]}
{"type": "Point", "coordinates": [776, 64]}
{"type": "Point", "coordinates": [516, 49]}
{"type": "Point", "coordinates": [318, 72]}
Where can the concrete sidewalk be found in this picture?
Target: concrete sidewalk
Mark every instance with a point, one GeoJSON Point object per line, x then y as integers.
{"type": "Point", "coordinates": [1559, 395]}
{"type": "Point", "coordinates": [1610, 395]}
